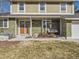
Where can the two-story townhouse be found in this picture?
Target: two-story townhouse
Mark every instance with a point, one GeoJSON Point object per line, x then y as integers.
{"type": "Point", "coordinates": [40, 16]}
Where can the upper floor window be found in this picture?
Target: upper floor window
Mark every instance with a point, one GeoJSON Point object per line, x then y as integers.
{"type": "Point", "coordinates": [63, 7]}
{"type": "Point", "coordinates": [21, 7]}
{"type": "Point", "coordinates": [42, 7]}
{"type": "Point", "coordinates": [3, 23]}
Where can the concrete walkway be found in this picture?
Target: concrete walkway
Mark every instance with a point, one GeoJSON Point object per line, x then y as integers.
{"type": "Point", "coordinates": [44, 39]}
{"type": "Point", "coordinates": [40, 39]}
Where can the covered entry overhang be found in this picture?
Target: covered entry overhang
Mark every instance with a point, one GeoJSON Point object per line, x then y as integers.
{"type": "Point", "coordinates": [30, 16]}
{"type": "Point", "coordinates": [39, 19]}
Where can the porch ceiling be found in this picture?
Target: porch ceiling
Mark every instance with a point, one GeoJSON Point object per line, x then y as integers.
{"type": "Point", "coordinates": [9, 16]}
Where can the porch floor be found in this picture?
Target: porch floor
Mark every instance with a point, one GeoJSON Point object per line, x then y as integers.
{"type": "Point", "coordinates": [40, 39]}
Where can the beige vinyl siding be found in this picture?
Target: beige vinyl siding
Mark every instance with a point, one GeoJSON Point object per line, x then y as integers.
{"type": "Point", "coordinates": [34, 8]}
{"type": "Point", "coordinates": [75, 22]}
{"type": "Point", "coordinates": [14, 8]}
{"type": "Point", "coordinates": [63, 27]}
{"type": "Point", "coordinates": [53, 8]}
{"type": "Point", "coordinates": [68, 28]}
{"type": "Point", "coordinates": [36, 26]}
{"type": "Point", "coordinates": [11, 28]}
{"type": "Point", "coordinates": [31, 8]}
{"type": "Point", "coordinates": [70, 8]}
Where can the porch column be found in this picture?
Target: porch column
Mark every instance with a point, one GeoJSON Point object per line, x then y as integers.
{"type": "Point", "coordinates": [30, 26]}
{"type": "Point", "coordinates": [15, 26]}
{"type": "Point", "coordinates": [60, 27]}
{"type": "Point", "coordinates": [42, 25]}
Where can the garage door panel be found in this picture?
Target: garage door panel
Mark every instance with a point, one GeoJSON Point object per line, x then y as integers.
{"type": "Point", "coordinates": [75, 30]}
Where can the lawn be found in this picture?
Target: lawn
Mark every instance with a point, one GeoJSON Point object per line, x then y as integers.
{"type": "Point", "coordinates": [39, 50]}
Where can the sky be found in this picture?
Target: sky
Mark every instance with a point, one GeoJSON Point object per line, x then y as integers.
{"type": "Point", "coordinates": [6, 5]}
{"type": "Point", "coordinates": [77, 5]}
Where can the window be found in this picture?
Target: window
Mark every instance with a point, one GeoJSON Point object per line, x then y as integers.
{"type": "Point", "coordinates": [46, 25]}
{"type": "Point", "coordinates": [50, 26]}
{"type": "Point", "coordinates": [63, 7]}
{"type": "Point", "coordinates": [21, 7]}
{"type": "Point", "coordinates": [3, 23]}
{"type": "Point", "coordinates": [42, 7]}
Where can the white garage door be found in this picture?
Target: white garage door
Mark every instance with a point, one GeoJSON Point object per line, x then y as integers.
{"type": "Point", "coordinates": [75, 31]}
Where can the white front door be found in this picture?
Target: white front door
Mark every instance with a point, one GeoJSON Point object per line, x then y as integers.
{"type": "Point", "coordinates": [75, 31]}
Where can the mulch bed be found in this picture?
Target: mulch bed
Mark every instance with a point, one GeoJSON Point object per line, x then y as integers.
{"type": "Point", "coordinates": [4, 43]}
{"type": "Point", "coordinates": [47, 35]}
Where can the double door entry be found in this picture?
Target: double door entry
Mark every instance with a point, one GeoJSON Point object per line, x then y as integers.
{"type": "Point", "coordinates": [24, 27]}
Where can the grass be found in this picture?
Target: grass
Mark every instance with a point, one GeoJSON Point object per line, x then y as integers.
{"type": "Point", "coordinates": [40, 50]}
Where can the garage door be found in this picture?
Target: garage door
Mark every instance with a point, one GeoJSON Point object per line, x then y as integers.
{"type": "Point", "coordinates": [75, 31]}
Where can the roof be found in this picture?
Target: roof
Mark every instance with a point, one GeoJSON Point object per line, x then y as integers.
{"type": "Point", "coordinates": [72, 17]}
{"type": "Point", "coordinates": [76, 15]}
{"type": "Point", "coordinates": [4, 13]}
{"type": "Point", "coordinates": [69, 17]}
{"type": "Point", "coordinates": [42, 0]}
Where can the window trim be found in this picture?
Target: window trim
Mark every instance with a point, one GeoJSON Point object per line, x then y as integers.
{"type": "Point", "coordinates": [60, 7]}
{"type": "Point", "coordinates": [39, 8]}
{"type": "Point", "coordinates": [21, 6]}
{"type": "Point", "coordinates": [11, 11]}
{"type": "Point", "coordinates": [7, 23]}
{"type": "Point", "coordinates": [18, 5]}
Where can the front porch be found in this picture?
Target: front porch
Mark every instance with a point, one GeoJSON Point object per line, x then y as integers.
{"type": "Point", "coordinates": [40, 27]}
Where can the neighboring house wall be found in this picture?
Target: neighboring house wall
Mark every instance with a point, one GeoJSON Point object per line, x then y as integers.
{"type": "Point", "coordinates": [53, 8]}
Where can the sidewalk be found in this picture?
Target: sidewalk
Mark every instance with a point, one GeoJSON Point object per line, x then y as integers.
{"type": "Point", "coordinates": [44, 39]}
